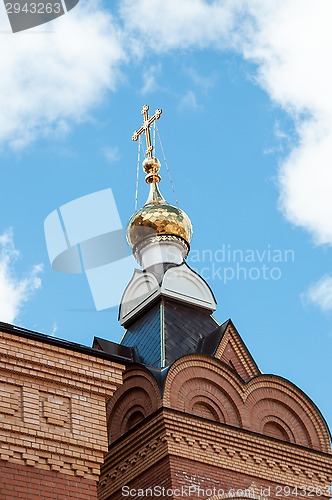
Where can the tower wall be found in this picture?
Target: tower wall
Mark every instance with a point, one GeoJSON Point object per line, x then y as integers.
{"type": "Point", "coordinates": [52, 416]}
{"type": "Point", "coordinates": [210, 458]}
{"type": "Point", "coordinates": [202, 431]}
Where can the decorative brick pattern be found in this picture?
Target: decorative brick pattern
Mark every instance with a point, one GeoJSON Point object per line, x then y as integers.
{"type": "Point", "coordinates": [131, 456]}
{"type": "Point", "coordinates": [233, 457]}
{"type": "Point", "coordinates": [159, 473]}
{"type": "Point", "coordinates": [264, 399]}
{"type": "Point", "coordinates": [234, 352]}
{"type": "Point", "coordinates": [137, 398]}
{"type": "Point", "coordinates": [53, 411]}
{"type": "Point", "coordinates": [209, 423]}
{"type": "Point", "coordinates": [10, 400]}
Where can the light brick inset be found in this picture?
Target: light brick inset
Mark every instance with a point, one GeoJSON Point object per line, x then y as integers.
{"type": "Point", "coordinates": [55, 410]}
{"type": "Point", "coordinates": [10, 400]}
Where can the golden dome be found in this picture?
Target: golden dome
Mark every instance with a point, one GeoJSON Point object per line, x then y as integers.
{"type": "Point", "coordinates": [161, 219]}
{"type": "Point", "coordinates": [157, 217]}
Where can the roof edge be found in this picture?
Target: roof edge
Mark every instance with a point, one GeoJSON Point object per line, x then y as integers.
{"type": "Point", "coordinates": [65, 344]}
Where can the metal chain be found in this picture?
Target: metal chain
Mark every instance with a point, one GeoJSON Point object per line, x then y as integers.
{"type": "Point", "coordinates": [168, 170]}
{"type": "Point", "coordinates": [154, 136]}
{"type": "Point", "coordinates": [137, 170]}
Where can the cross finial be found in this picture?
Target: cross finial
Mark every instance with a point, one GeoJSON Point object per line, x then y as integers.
{"type": "Point", "coordinates": [146, 128]}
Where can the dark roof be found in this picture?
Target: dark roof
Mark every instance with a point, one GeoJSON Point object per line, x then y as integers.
{"type": "Point", "coordinates": [184, 328]}
{"type": "Point", "coordinates": [114, 349]}
{"type": "Point", "coordinates": [145, 336]}
{"type": "Point", "coordinates": [209, 343]}
{"type": "Point", "coordinates": [169, 328]}
{"type": "Point", "coordinates": [120, 357]}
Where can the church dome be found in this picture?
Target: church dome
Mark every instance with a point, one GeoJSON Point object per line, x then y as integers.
{"type": "Point", "coordinates": [157, 218]}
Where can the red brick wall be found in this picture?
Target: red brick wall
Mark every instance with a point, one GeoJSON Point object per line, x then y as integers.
{"type": "Point", "coordinates": [138, 395]}
{"type": "Point", "coordinates": [209, 479]}
{"type": "Point", "coordinates": [183, 478]}
{"type": "Point", "coordinates": [159, 474]}
{"type": "Point", "coordinates": [52, 407]}
{"type": "Point", "coordinates": [180, 450]}
{"type": "Point", "coordinates": [265, 399]}
{"type": "Point", "coordinates": [23, 482]}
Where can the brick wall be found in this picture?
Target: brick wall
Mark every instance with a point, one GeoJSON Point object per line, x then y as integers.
{"type": "Point", "coordinates": [209, 454]}
{"type": "Point", "coordinates": [24, 482]}
{"type": "Point", "coordinates": [266, 404]}
{"type": "Point", "coordinates": [53, 415]}
{"type": "Point", "coordinates": [208, 481]}
{"type": "Point", "coordinates": [213, 430]}
{"type": "Point", "coordinates": [159, 474]}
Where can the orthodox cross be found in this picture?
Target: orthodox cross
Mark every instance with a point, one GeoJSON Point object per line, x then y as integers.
{"type": "Point", "coordinates": [146, 128]}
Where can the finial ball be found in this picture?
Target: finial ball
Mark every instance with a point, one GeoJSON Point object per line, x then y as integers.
{"type": "Point", "coordinates": [151, 167]}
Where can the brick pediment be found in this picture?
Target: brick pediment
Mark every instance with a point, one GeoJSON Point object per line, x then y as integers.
{"type": "Point", "coordinates": [233, 351]}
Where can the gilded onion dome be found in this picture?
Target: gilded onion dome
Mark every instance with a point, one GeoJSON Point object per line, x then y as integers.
{"type": "Point", "coordinates": [157, 220]}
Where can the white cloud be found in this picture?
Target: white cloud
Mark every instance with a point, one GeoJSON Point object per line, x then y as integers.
{"type": "Point", "coordinates": [174, 24]}
{"type": "Point", "coordinates": [14, 292]}
{"type": "Point", "coordinates": [320, 294]}
{"type": "Point", "coordinates": [292, 46]}
{"type": "Point", "coordinates": [46, 86]}
{"type": "Point", "coordinates": [50, 79]}
{"type": "Point", "coordinates": [203, 82]}
{"type": "Point", "coordinates": [291, 43]}
{"type": "Point", "coordinates": [54, 329]}
{"type": "Point", "coordinates": [189, 101]}
{"type": "Point", "coordinates": [112, 154]}
{"type": "Point", "coordinates": [150, 79]}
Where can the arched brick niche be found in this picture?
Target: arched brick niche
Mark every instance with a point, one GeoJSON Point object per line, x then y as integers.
{"type": "Point", "coordinates": [204, 406]}
{"type": "Point", "coordinates": [203, 386]}
{"type": "Point", "coordinates": [275, 427]}
{"type": "Point", "coordinates": [277, 408]}
{"type": "Point", "coordinates": [266, 404]}
{"type": "Point", "coordinates": [273, 417]}
{"type": "Point", "coordinates": [137, 398]}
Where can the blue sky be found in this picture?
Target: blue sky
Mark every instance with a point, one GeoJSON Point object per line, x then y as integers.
{"type": "Point", "coordinates": [247, 132]}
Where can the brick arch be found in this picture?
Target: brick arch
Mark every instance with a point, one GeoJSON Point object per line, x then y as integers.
{"type": "Point", "coordinates": [203, 406]}
{"type": "Point", "coordinates": [137, 398]}
{"type": "Point", "coordinates": [270, 398]}
{"type": "Point", "coordinates": [133, 417]}
{"type": "Point", "coordinates": [194, 382]}
{"type": "Point", "coordinates": [197, 392]}
{"type": "Point", "coordinates": [275, 427]}
{"type": "Point", "coordinates": [265, 401]}
{"type": "Point", "coordinates": [272, 410]}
